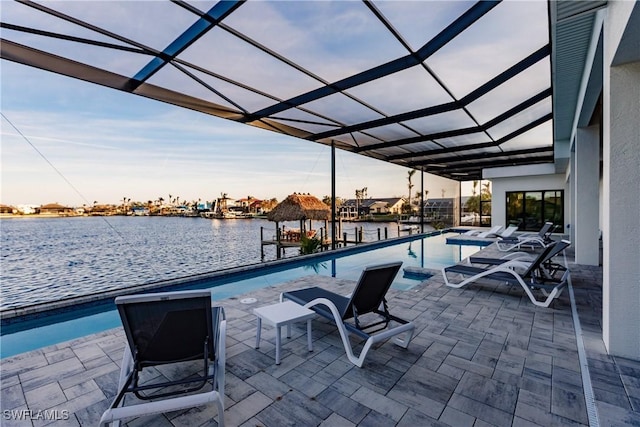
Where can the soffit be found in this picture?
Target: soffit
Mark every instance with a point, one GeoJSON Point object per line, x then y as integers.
{"type": "Point", "coordinates": [573, 31]}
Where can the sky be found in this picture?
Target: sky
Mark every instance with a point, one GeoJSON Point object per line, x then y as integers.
{"type": "Point", "coordinates": [71, 142]}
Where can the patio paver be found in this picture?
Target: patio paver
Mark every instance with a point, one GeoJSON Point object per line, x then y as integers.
{"type": "Point", "coordinates": [481, 356]}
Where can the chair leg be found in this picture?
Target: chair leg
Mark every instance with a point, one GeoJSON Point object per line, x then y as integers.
{"type": "Point", "coordinates": [404, 342]}
{"type": "Point", "coordinates": [221, 360]}
{"type": "Point", "coordinates": [258, 332]}
{"type": "Point", "coordinates": [309, 339]}
{"type": "Point", "coordinates": [344, 334]}
{"type": "Point", "coordinates": [220, 411]}
{"type": "Point", "coordinates": [278, 343]}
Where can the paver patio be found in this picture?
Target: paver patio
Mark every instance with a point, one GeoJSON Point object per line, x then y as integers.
{"type": "Point", "coordinates": [482, 355]}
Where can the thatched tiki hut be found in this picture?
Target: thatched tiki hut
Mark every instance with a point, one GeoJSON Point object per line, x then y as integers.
{"type": "Point", "coordinates": [299, 207]}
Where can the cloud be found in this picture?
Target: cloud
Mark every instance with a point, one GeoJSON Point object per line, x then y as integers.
{"type": "Point", "coordinates": [105, 156]}
{"type": "Point", "coordinates": [109, 143]}
{"type": "Point", "coordinates": [501, 38]}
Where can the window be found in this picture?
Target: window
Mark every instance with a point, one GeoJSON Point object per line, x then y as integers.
{"type": "Point", "coordinates": [531, 209]}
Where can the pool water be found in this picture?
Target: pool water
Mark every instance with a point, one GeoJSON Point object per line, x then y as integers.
{"type": "Point", "coordinates": [430, 252]}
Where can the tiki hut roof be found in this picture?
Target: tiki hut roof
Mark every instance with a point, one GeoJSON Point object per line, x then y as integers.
{"type": "Point", "coordinates": [300, 207]}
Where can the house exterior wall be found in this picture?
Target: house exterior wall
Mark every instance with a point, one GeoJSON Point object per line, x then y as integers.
{"type": "Point", "coordinates": [621, 181]}
{"type": "Point", "coordinates": [500, 187]}
{"type": "Point", "coordinates": [586, 173]}
{"type": "Point", "coordinates": [347, 211]}
{"type": "Point", "coordinates": [378, 207]}
{"type": "Point", "coordinates": [396, 208]}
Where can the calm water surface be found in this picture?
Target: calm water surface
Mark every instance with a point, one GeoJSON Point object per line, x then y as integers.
{"type": "Point", "coordinates": [48, 259]}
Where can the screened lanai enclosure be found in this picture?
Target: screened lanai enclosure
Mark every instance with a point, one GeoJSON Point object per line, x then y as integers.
{"type": "Point", "coordinates": [444, 87]}
{"type": "Point", "coordinates": [452, 88]}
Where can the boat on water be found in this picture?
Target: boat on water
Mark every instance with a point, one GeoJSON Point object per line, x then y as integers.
{"type": "Point", "coordinates": [137, 211]}
{"type": "Point", "coordinates": [411, 220]}
{"type": "Point", "coordinates": [228, 214]}
{"type": "Point", "coordinates": [244, 215]}
{"type": "Point", "coordinates": [220, 210]}
{"type": "Point", "coordinates": [218, 215]}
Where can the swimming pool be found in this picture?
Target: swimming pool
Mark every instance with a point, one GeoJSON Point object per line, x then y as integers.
{"type": "Point", "coordinates": [431, 252]}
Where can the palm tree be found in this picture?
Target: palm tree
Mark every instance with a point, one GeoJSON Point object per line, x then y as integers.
{"type": "Point", "coordinates": [485, 196]}
{"type": "Point", "coordinates": [360, 196]}
{"type": "Point", "coordinates": [486, 190]}
{"type": "Point", "coordinates": [417, 198]}
{"type": "Point", "coordinates": [267, 205]}
{"type": "Point", "coordinates": [474, 206]}
{"type": "Point", "coordinates": [410, 185]}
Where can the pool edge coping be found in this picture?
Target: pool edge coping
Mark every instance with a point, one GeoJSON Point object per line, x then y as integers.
{"type": "Point", "coordinates": [51, 307]}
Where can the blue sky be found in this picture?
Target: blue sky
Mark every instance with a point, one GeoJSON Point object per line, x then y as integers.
{"type": "Point", "coordinates": [87, 143]}
{"type": "Point", "coordinates": [102, 145]}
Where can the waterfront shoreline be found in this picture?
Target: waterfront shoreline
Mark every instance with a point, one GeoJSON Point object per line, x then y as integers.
{"type": "Point", "coordinates": [18, 216]}
{"type": "Point", "coordinates": [55, 261]}
{"type": "Point", "coordinates": [9, 315]}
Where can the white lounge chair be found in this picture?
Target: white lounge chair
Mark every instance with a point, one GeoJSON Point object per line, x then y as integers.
{"type": "Point", "coordinates": [541, 239]}
{"type": "Point", "coordinates": [508, 232]}
{"type": "Point", "coordinates": [547, 269]}
{"type": "Point", "coordinates": [367, 297]}
{"type": "Point", "coordinates": [493, 231]}
{"type": "Point", "coordinates": [170, 328]}
{"type": "Point", "coordinates": [531, 279]}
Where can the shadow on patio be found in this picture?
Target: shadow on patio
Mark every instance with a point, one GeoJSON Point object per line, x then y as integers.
{"type": "Point", "coordinates": [482, 355]}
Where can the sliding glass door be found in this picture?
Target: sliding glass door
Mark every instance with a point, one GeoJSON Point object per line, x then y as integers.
{"type": "Point", "coordinates": [531, 209]}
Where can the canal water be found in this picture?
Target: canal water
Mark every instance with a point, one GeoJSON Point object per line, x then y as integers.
{"type": "Point", "coordinates": [49, 259]}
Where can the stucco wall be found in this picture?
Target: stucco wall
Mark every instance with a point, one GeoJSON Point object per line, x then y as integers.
{"type": "Point", "coordinates": [621, 188]}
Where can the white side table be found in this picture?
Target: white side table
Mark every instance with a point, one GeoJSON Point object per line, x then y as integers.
{"type": "Point", "coordinates": [281, 314]}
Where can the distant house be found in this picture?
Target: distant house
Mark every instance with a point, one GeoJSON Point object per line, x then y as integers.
{"type": "Point", "coordinates": [256, 206]}
{"type": "Point", "coordinates": [388, 206]}
{"type": "Point", "coordinates": [55, 209]}
{"type": "Point", "coordinates": [250, 205]}
{"type": "Point", "coordinates": [348, 209]}
{"type": "Point", "coordinates": [5, 209]}
{"type": "Point", "coordinates": [439, 209]}
{"type": "Point", "coordinates": [204, 206]}
{"type": "Point", "coordinates": [353, 208]}
{"type": "Point", "coordinates": [103, 210]}
{"type": "Point", "coordinates": [28, 209]}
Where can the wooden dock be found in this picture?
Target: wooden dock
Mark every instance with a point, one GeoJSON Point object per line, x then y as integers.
{"type": "Point", "coordinates": [284, 239]}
